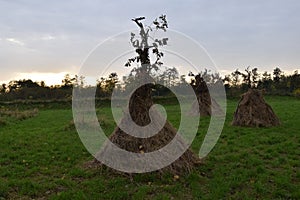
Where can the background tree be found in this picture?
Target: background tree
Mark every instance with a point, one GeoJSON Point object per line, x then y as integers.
{"type": "Point", "coordinates": [3, 88]}
{"type": "Point", "coordinates": [68, 82]}
{"type": "Point", "coordinates": [170, 77]}
{"type": "Point", "coordinates": [294, 81]}
{"type": "Point", "coordinates": [277, 74]}
{"type": "Point", "coordinates": [250, 78]}
{"type": "Point", "coordinates": [110, 83]}
{"type": "Point", "coordinates": [235, 80]}
{"type": "Point", "coordinates": [265, 82]}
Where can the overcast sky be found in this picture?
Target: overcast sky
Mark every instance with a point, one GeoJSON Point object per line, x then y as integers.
{"type": "Point", "coordinates": [40, 39]}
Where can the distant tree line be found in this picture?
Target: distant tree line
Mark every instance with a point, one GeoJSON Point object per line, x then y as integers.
{"type": "Point", "coordinates": [26, 89]}
{"type": "Point", "coordinates": [236, 83]}
{"type": "Point", "coordinates": [275, 83]}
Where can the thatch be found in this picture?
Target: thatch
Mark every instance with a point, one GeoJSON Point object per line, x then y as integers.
{"type": "Point", "coordinates": [206, 104]}
{"type": "Point", "coordinates": [139, 105]}
{"type": "Point", "coordinates": [253, 111]}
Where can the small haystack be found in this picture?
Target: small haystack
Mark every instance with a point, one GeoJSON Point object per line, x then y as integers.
{"type": "Point", "coordinates": [253, 111]}
{"type": "Point", "coordinates": [205, 102]}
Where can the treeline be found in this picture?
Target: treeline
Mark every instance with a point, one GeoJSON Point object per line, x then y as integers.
{"type": "Point", "coordinates": [27, 89]}
{"type": "Point", "coordinates": [274, 83]}
{"type": "Point", "coordinates": [236, 83]}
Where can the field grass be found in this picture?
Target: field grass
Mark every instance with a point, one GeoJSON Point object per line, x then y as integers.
{"type": "Point", "coordinates": [43, 158]}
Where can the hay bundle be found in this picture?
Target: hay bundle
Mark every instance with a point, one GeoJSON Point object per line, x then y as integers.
{"type": "Point", "coordinates": [253, 111]}
{"type": "Point", "coordinates": [141, 102]}
{"type": "Point", "coordinates": [139, 106]}
{"type": "Point", "coordinates": [205, 103]}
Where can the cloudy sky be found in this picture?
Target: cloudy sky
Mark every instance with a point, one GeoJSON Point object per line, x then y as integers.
{"type": "Point", "coordinates": [43, 40]}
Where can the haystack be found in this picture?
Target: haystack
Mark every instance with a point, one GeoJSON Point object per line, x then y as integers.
{"type": "Point", "coordinates": [141, 102]}
{"type": "Point", "coordinates": [253, 111]}
{"type": "Point", "coordinates": [139, 106]}
{"type": "Point", "coordinates": [205, 103]}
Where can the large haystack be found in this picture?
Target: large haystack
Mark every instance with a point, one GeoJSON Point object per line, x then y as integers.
{"type": "Point", "coordinates": [139, 106]}
{"type": "Point", "coordinates": [205, 103]}
{"type": "Point", "coordinates": [253, 111]}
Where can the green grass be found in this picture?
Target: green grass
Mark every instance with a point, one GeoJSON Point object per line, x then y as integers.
{"type": "Point", "coordinates": [40, 158]}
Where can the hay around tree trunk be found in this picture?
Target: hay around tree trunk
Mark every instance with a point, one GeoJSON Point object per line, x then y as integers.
{"type": "Point", "coordinates": [139, 106]}
{"type": "Point", "coordinates": [206, 104]}
{"type": "Point", "coordinates": [253, 111]}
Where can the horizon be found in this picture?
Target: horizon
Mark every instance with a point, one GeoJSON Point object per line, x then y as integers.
{"type": "Point", "coordinates": [57, 78]}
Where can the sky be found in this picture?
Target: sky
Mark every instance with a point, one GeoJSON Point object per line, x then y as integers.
{"type": "Point", "coordinates": [44, 40]}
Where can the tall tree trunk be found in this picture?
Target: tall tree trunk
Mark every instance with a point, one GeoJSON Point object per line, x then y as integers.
{"type": "Point", "coordinates": [141, 100]}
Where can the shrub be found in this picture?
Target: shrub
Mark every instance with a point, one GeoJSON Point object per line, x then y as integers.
{"type": "Point", "coordinates": [297, 92]}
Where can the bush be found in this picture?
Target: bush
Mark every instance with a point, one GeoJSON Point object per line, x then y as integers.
{"type": "Point", "coordinates": [296, 92]}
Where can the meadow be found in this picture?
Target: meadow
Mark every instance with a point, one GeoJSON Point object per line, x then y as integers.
{"type": "Point", "coordinates": [42, 157]}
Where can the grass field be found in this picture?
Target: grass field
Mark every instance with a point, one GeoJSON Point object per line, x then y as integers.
{"type": "Point", "coordinates": [42, 157]}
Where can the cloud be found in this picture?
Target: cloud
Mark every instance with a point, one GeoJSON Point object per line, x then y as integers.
{"type": "Point", "coordinates": [49, 78]}
{"type": "Point", "coordinates": [55, 35]}
{"type": "Point", "coordinates": [48, 37]}
{"type": "Point", "coordinates": [15, 41]}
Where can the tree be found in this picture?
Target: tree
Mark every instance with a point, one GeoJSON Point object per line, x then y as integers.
{"type": "Point", "coordinates": [43, 84]}
{"type": "Point", "coordinates": [68, 82]}
{"type": "Point", "coordinates": [277, 74]}
{"type": "Point", "coordinates": [111, 82]}
{"type": "Point", "coordinates": [250, 78]}
{"type": "Point", "coordinates": [266, 76]}
{"type": "Point", "coordinates": [295, 81]}
{"type": "Point", "coordinates": [170, 76]}
{"type": "Point", "coordinates": [255, 77]}
{"type": "Point", "coordinates": [142, 46]}
{"type": "Point", "coordinates": [141, 101]}
{"type": "Point", "coordinates": [3, 88]}
{"type": "Point", "coordinates": [105, 86]}
{"type": "Point", "coordinates": [182, 82]}
{"type": "Point", "coordinates": [235, 78]}
{"type": "Point", "coordinates": [265, 82]}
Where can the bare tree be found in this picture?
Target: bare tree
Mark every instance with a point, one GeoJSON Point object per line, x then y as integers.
{"type": "Point", "coordinates": [141, 99]}
{"type": "Point", "coordinates": [250, 77]}
{"type": "Point", "coordinates": [277, 74]}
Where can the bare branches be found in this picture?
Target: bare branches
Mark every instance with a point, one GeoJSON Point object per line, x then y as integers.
{"type": "Point", "coordinates": [161, 23]}
{"type": "Point", "coordinates": [137, 21]}
{"type": "Point", "coordinates": [141, 42]}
